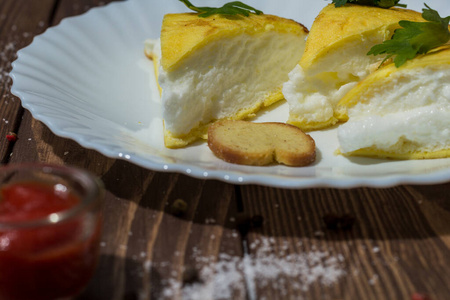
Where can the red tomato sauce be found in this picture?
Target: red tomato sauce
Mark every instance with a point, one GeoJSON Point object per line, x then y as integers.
{"type": "Point", "coordinates": [44, 262]}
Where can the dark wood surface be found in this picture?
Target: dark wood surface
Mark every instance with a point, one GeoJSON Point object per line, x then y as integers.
{"type": "Point", "coordinates": [397, 247]}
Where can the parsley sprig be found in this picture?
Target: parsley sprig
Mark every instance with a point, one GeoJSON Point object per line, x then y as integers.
{"type": "Point", "coordinates": [230, 9]}
{"type": "Point", "coordinates": [378, 3]}
{"type": "Point", "coordinates": [415, 38]}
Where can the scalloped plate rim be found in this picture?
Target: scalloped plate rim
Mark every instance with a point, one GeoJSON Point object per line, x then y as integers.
{"type": "Point", "coordinates": [229, 176]}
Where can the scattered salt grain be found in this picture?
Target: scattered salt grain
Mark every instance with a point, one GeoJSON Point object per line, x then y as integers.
{"type": "Point", "coordinates": [319, 233]}
{"type": "Point", "coordinates": [373, 280]}
{"type": "Point", "coordinates": [147, 265]}
{"type": "Point", "coordinates": [210, 221]}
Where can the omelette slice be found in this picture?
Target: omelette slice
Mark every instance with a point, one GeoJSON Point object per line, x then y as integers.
{"type": "Point", "coordinates": [401, 113]}
{"type": "Point", "coordinates": [221, 67]}
{"type": "Point", "coordinates": [335, 59]}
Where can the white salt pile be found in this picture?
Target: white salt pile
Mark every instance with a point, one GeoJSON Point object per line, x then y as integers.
{"type": "Point", "coordinates": [226, 276]}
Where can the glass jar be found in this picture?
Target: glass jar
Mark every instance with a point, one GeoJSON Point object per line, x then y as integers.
{"type": "Point", "coordinates": [50, 227]}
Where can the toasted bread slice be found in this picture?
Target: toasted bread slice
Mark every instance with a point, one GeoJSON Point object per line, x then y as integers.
{"type": "Point", "coordinates": [247, 143]}
{"type": "Point", "coordinates": [336, 58]}
{"type": "Point", "coordinates": [401, 113]}
{"type": "Point", "coordinates": [222, 68]}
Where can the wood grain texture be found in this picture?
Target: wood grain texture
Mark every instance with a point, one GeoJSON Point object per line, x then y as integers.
{"type": "Point", "coordinates": [146, 247]}
{"type": "Point", "coordinates": [398, 245]}
{"type": "Point", "coordinates": [391, 252]}
{"type": "Point", "coordinates": [20, 21]}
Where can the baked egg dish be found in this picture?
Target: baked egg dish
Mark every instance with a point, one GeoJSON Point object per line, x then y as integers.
{"type": "Point", "coordinates": [335, 59]}
{"type": "Point", "coordinates": [401, 113]}
{"type": "Point", "coordinates": [220, 67]}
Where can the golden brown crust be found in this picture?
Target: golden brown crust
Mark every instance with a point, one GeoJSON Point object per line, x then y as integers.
{"type": "Point", "coordinates": [336, 26]}
{"type": "Point", "coordinates": [374, 152]}
{"type": "Point", "coordinates": [258, 144]}
{"type": "Point", "coordinates": [182, 34]}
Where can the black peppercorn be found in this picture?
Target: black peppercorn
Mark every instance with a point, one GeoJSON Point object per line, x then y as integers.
{"type": "Point", "coordinates": [257, 221]}
{"type": "Point", "coordinates": [334, 221]}
{"type": "Point", "coordinates": [191, 276]}
{"type": "Point", "coordinates": [331, 221]}
{"type": "Point", "coordinates": [347, 221]}
{"type": "Point", "coordinates": [178, 207]}
{"type": "Point", "coordinates": [243, 223]}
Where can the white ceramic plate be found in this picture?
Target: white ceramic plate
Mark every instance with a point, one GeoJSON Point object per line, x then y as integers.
{"type": "Point", "coordinates": [87, 79]}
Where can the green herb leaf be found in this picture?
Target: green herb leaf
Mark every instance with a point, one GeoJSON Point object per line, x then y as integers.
{"type": "Point", "coordinates": [415, 38]}
{"type": "Point", "coordinates": [378, 3]}
{"type": "Point", "coordinates": [230, 9]}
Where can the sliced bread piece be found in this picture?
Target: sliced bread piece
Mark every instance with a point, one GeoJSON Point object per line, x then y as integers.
{"type": "Point", "coordinates": [248, 143]}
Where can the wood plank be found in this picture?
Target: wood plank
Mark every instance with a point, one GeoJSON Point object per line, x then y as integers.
{"type": "Point", "coordinates": [67, 8]}
{"type": "Point", "coordinates": [147, 247]}
{"type": "Point", "coordinates": [433, 202]}
{"type": "Point", "coordinates": [20, 21]}
{"type": "Point", "coordinates": [392, 249]}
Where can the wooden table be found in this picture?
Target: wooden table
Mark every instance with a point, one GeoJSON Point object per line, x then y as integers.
{"type": "Point", "coordinates": [233, 242]}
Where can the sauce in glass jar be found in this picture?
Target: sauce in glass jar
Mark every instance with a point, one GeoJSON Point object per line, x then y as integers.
{"type": "Point", "coordinates": [48, 245]}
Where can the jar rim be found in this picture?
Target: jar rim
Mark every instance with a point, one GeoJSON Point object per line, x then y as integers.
{"type": "Point", "coordinates": [90, 201]}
